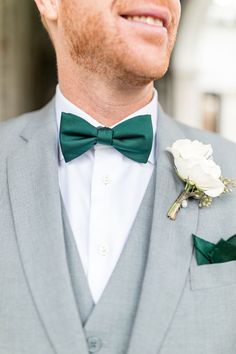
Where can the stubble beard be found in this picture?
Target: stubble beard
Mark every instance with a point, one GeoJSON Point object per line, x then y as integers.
{"type": "Point", "coordinates": [92, 49]}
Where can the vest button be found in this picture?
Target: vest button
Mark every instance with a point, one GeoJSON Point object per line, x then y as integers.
{"type": "Point", "coordinates": [94, 344]}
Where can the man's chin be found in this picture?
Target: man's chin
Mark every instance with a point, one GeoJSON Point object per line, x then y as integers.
{"type": "Point", "coordinates": [140, 80]}
{"type": "Point", "coordinates": [145, 74]}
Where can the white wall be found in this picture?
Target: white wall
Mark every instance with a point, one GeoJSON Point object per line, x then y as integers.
{"type": "Point", "coordinates": [205, 61]}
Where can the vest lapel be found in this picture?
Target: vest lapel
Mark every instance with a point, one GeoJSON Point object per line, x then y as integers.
{"type": "Point", "coordinates": [170, 251]}
{"type": "Point", "coordinates": [111, 320]}
{"type": "Point", "coordinates": [133, 257]}
{"type": "Point", "coordinates": [79, 281]}
{"type": "Point", "coordinates": [36, 207]}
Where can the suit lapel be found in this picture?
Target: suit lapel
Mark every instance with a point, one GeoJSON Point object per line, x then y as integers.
{"type": "Point", "coordinates": [36, 207]}
{"type": "Point", "coordinates": [169, 253]}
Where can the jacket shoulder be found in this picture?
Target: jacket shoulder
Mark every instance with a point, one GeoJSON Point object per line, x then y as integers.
{"type": "Point", "coordinates": [11, 129]}
{"type": "Point", "coordinates": [13, 126]}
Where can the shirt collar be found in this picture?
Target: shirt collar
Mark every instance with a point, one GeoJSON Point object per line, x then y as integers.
{"type": "Point", "coordinates": [64, 105]}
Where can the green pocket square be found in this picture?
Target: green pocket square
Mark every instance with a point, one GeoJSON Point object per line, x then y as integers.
{"type": "Point", "coordinates": [207, 252]}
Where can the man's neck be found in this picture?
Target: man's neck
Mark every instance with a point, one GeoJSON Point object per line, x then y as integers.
{"type": "Point", "coordinates": [107, 102]}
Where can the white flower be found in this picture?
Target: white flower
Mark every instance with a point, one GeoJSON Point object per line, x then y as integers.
{"type": "Point", "coordinates": [195, 166]}
{"type": "Point", "coordinates": [188, 149]}
{"type": "Point", "coordinates": [194, 163]}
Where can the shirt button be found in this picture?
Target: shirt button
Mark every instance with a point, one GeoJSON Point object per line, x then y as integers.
{"type": "Point", "coordinates": [106, 180]}
{"type": "Point", "coordinates": [94, 344]}
{"type": "Point", "coordinates": [103, 249]}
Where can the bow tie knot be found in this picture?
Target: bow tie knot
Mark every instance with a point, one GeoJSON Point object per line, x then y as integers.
{"type": "Point", "coordinates": [133, 137]}
{"type": "Point", "coordinates": [105, 136]}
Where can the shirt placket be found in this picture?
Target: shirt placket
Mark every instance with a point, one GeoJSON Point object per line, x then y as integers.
{"type": "Point", "coordinates": [99, 231]}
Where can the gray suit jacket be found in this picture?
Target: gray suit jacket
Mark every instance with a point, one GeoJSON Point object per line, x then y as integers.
{"type": "Point", "coordinates": [184, 308]}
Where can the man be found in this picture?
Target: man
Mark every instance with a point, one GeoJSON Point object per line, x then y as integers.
{"type": "Point", "coordinates": [89, 260]}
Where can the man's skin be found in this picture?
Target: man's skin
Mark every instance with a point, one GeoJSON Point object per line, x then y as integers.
{"type": "Point", "coordinates": [107, 63]}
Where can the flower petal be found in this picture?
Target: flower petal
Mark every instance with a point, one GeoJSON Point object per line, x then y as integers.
{"type": "Point", "coordinates": [217, 190]}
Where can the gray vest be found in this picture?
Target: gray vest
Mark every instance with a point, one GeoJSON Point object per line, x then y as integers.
{"type": "Point", "coordinates": [108, 324]}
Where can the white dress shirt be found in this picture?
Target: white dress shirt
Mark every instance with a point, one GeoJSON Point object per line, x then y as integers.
{"type": "Point", "coordinates": [102, 191]}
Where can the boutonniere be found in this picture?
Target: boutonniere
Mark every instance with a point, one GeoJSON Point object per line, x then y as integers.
{"type": "Point", "coordinates": [195, 166]}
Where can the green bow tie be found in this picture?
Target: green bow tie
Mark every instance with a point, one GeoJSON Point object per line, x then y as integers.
{"type": "Point", "coordinates": [133, 137]}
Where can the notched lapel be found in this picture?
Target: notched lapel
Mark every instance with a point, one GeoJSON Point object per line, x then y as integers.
{"type": "Point", "coordinates": [35, 199]}
{"type": "Point", "coordinates": [170, 251]}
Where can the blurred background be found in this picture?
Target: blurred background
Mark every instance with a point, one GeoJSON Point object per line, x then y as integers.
{"type": "Point", "coordinates": [199, 88]}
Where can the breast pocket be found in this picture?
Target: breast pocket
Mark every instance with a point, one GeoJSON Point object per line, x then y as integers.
{"type": "Point", "coordinates": [212, 275]}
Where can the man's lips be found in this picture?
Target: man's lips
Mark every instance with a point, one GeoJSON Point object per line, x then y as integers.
{"type": "Point", "coordinates": [157, 14]}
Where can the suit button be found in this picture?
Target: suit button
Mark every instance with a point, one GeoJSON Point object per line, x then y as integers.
{"type": "Point", "coordinates": [94, 344]}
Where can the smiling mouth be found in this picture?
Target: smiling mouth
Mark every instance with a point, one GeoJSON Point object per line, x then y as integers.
{"type": "Point", "coordinates": [146, 20]}
{"type": "Point", "coordinates": [153, 17]}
